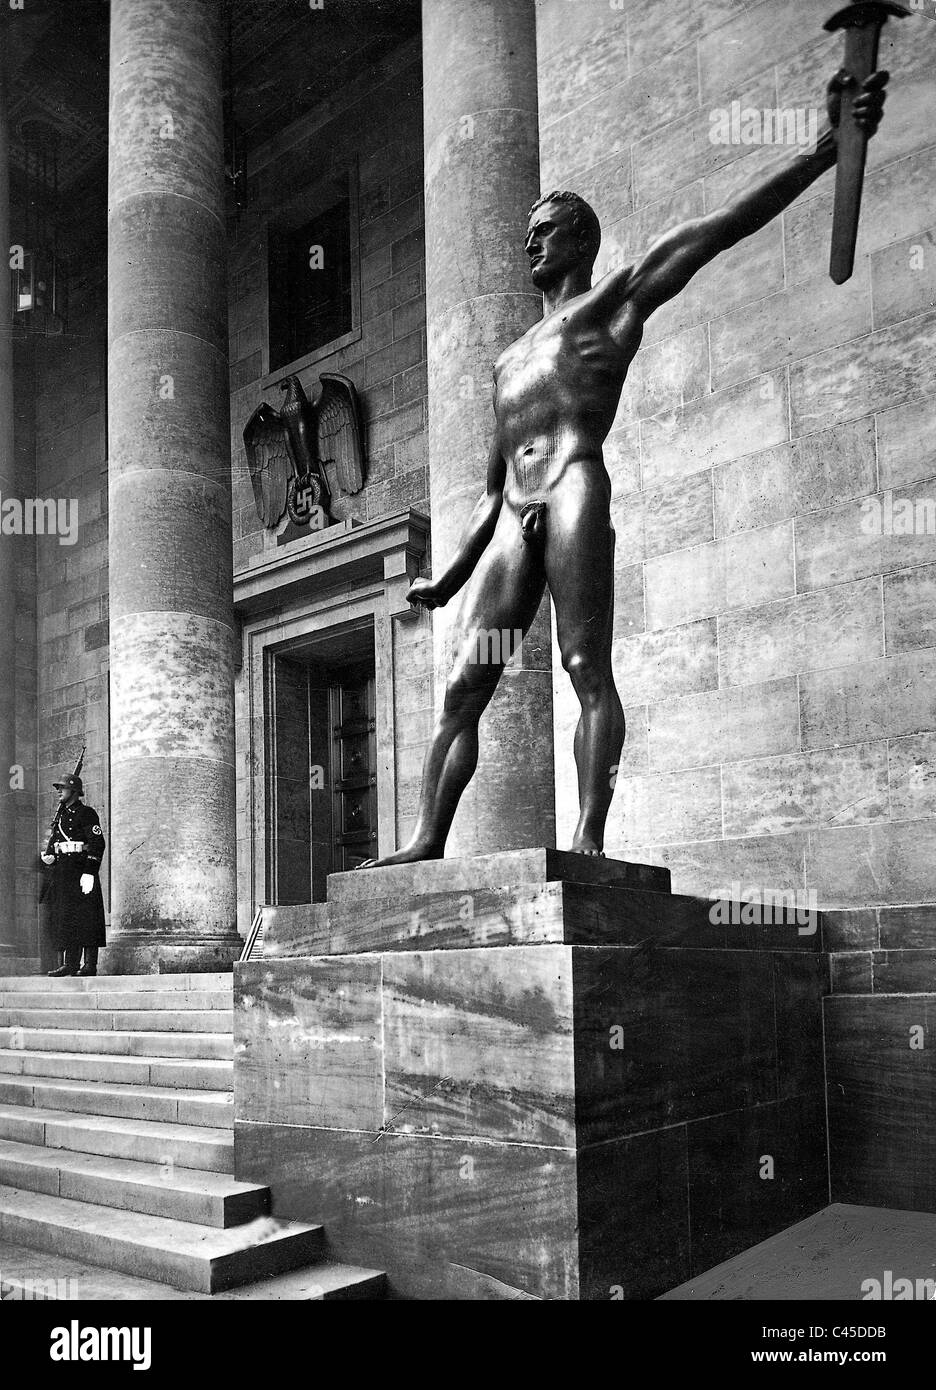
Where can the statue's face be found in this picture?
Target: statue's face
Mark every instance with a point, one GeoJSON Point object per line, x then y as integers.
{"type": "Point", "coordinates": [551, 244]}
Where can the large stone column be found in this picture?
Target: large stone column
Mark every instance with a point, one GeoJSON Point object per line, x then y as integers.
{"type": "Point", "coordinates": [481, 175]}
{"type": "Point", "coordinates": [8, 926]}
{"type": "Point", "coordinates": [172, 628]}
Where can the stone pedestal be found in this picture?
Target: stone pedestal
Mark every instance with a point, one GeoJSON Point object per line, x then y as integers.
{"type": "Point", "coordinates": [880, 1019]}
{"type": "Point", "coordinates": [532, 1075]}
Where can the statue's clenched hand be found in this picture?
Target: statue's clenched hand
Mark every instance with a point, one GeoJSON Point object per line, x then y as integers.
{"type": "Point", "coordinates": [425, 593]}
{"type": "Point", "coordinates": [868, 104]}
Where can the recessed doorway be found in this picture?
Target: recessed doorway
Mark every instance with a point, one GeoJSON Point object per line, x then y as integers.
{"type": "Point", "coordinates": [321, 763]}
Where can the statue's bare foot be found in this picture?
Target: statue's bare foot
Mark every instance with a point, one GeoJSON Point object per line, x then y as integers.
{"type": "Point", "coordinates": [584, 844]}
{"type": "Point", "coordinates": [409, 854]}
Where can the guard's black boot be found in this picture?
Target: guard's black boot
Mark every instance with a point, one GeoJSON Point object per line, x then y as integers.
{"type": "Point", "coordinates": [90, 961]}
{"type": "Point", "coordinates": [69, 966]}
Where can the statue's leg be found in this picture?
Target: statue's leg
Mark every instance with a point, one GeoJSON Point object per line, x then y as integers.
{"type": "Point", "coordinates": [580, 573]}
{"type": "Point", "coordinates": [501, 598]}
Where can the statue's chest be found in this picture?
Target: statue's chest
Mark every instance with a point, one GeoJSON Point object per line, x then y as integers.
{"type": "Point", "coordinates": [527, 367]}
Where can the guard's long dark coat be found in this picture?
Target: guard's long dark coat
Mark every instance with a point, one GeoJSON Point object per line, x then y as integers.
{"type": "Point", "coordinates": [74, 918]}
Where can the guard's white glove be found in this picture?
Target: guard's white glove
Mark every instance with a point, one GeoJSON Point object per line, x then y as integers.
{"type": "Point", "coordinates": [48, 858]}
{"type": "Point", "coordinates": [87, 882]}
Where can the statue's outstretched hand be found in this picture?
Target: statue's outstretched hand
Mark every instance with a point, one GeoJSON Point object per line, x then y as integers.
{"type": "Point", "coordinates": [423, 593]}
{"type": "Point", "coordinates": [867, 105]}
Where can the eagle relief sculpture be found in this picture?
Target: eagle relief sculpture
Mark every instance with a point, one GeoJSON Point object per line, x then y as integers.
{"type": "Point", "coordinates": [288, 450]}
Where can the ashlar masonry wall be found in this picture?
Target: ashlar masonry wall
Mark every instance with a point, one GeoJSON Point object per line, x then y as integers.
{"type": "Point", "coordinates": [377, 130]}
{"type": "Point", "coordinates": [776, 653]}
{"type": "Point", "coordinates": [63, 407]}
{"type": "Point", "coordinates": [775, 627]}
{"type": "Point", "coordinates": [374, 128]}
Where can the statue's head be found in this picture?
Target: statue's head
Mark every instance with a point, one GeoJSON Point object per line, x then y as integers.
{"type": "Point", "coordinates": [563, 233]}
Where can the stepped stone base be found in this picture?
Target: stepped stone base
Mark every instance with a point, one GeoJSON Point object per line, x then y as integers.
{"type": "Point", "coordinates": [34, 1275]}
{"type": "Point", "coordinates": [116, 1151]}
{"type": "Point", "coordinates": [531, 1075]}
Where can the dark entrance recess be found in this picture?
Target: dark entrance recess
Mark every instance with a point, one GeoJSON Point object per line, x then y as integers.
{"type": "Point", "coordinates": [321, 793]}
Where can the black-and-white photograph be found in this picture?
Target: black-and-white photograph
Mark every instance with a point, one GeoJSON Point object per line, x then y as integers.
{"type": "Point", "coordinates": [467, 663]}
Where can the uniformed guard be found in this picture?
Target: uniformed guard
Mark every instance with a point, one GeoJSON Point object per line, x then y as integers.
{"type": "Point", "coordinates": [72, 889]}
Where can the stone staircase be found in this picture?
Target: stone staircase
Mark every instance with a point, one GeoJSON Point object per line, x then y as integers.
{"type": "Point", "coordinates": [117, 1151]}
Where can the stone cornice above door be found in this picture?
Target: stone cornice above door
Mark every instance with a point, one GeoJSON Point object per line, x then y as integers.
{"type": "Point", "coordinates": [345, 556]}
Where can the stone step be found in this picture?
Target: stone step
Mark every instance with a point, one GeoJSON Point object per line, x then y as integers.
{"type": "Point", "coordinates": [187, 1073]}
{"type": "Point", "coordinates": [128, 983]}
{"type": "Point", "coordinates": [116, 999]}
{"type": "Point", "coordinates": [202, 1074]}
{"type": "Point", "coordinates": [214, 1109]}
{"type": "Point", "coordinates": [34, 1274]}
{"type": "Point", "coordinates": [219, 1046]}
{"type": "Point", "coordinates": [127, 1020]}
{"type": "Point", "coordinates": [530, 914]}
{"type": "Point", "coordinates": [188, 1146]}
{"type": "Point", "coordinates": [179, 1253]}
{"type": "Point", "coordinates": [184, 1194]}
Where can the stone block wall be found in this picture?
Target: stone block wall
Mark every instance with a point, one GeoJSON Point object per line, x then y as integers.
{"type": "Point", "coordinates": [774, 647]}
{"type": "Point", "coordinates": [23, 784]}
{"type": "Point", "coordinates": [774, 654]}
{"type": "Point", "coordinates": [68, 425]}
{"type": "Point", "coordinates": [375, 125]}
{"type": "Point", "coordinates": [879, 1027]}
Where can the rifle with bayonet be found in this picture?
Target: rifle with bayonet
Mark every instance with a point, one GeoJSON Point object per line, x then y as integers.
{"type": "Point", "coordinates": [54, 825]}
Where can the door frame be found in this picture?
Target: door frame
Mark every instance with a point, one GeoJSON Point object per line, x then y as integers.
{"type": "Point", "coordinates": [321, 586]}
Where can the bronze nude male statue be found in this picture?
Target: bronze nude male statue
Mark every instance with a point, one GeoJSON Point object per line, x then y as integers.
{"type": "Point", "coordinates": [544, 519]}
